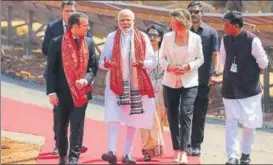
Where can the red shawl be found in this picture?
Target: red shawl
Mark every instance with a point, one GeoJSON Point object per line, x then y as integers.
{"type": "Point", "coordinates": [144, 82]}
{"type": "Point", "coordinates": [75, 62]}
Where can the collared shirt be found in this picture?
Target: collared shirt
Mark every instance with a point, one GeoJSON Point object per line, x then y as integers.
{"type": "Point", "coordinates": [210, 44]}
{"type": "Point", "coordinates": [65, 26]}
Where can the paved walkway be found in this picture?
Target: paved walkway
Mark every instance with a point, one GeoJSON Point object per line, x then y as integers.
{"type": "Point", "coordinates": [213, 147]}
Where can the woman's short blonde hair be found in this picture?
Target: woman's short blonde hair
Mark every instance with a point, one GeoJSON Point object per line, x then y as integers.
{"type": "Point", "coordinates": [183, 16]}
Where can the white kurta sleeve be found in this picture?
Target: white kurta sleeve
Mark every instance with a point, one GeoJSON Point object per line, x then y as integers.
{"type": "Point", "coordinates": [222, 52]}
{"type": "Point", "coordinates": [258, 53]}
{"type": "Point", "coordinates": [107, 51]}
{"type": "Point", "coordinates": [163, 55]}
{"type": "Point", "coordinates": [150, 58]}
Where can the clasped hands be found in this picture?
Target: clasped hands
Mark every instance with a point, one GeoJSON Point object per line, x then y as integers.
{"type": "Point", "coordinates": [179, 70]}
{"type": "Point", "coordinates": [109, 64]}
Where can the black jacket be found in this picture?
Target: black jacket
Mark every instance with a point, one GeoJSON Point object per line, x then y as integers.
{"type": "Point", "coordinates": [55, 77]}
{"type": "Point", "coordinates": [54, 29]}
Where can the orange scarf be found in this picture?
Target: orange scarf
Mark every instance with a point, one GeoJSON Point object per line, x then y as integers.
{"type": "Point", "coordinates": [116, 80]}
{"type": "Point", "coordinates": [75, 61]}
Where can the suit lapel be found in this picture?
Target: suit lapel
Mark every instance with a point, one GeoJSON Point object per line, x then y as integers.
{"type": "Point", "coordinates": [59, 28]}
{"type": "Point", "coordinates": [62, 27]}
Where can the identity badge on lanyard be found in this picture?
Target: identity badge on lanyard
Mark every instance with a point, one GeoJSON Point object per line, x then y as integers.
{"type": "Point", "coordinates": [233, 67]}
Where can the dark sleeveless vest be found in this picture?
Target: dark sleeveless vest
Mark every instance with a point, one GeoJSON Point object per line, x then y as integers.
{"type": "Point", "coordinates": [244, 83]}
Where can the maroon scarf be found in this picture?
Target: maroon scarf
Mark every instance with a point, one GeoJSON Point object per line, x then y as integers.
{"type": "Point", "coordinates": [116, 80]}
{"type": "Point", "coordinates": [75, 62]}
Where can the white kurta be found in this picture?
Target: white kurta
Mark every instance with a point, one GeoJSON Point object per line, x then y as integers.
{"type": "Point", "coordinates": [248, 110]}
{"type": "Point", "coordinates": [113, 112]}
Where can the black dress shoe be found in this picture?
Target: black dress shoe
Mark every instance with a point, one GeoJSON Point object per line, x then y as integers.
{"type": "Point", "coordinates": [110, 157]}
{"type": "Point", "coordinates": [195, 152]}
{"type": "Point", "coordinates": [84, 149]}
{"type": "Point", "coordinates": [63, 160]}
{"type": "Point", "coordinates": [232, 161]}
{"type": "Point", "coordinates": [55, 150]}
{"type": "Point", "coordinates": [73, 161]}
{"type": "Point", "coordinates": [128, 160]}
{"type": "Point", "coordinates": [245, 159]}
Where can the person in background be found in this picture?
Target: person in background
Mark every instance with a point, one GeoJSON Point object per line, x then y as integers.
{"type": "Point", "coordinates": [152, 140]}
{"type": "Point", "coordinates": [206, 74]}
{"type": "Point", "coordinates": [181, 55]}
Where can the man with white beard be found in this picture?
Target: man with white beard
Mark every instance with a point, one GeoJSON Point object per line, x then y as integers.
{"type": "Point", "coordinates": [129, 95]}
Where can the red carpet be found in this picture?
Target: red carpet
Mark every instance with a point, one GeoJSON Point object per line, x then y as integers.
{"type": "Point", "coordinates": [32, 119]}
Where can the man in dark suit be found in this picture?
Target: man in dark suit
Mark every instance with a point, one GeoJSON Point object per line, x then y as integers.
{"type": "Point", "coordinates": [55, 29]}
{"type": "Point", "coordinates": [71, 68]}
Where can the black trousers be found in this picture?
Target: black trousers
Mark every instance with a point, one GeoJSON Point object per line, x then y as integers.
{"type": "Point", "coordinates": [55, 120]}
{"type": "Point", "coordinates": [66, 112]}
{"type": "Point", "coordinates": [199, 116]}
{"type": "Point", "coordinates": [55, 125]}
{"type": "Point", "coordinates": [179, 103]}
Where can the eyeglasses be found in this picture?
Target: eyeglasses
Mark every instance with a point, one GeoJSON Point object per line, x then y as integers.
{"type": "Point", "coordinates": [153, 35]}
{"type": "Point", "coordinates": [194, 11]}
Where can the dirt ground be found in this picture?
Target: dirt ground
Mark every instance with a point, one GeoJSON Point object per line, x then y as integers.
{"type": "Point", "coordinates": [14, 152]}
{"type": "Point", "coordinates": [13, 64]}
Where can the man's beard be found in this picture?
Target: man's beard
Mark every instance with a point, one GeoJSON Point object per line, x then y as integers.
{"type": "Point", "coordinates": [126, 30]}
